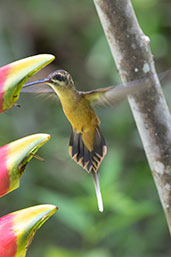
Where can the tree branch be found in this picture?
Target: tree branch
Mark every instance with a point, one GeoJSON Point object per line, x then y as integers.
{"type": "Point", "coordinates": [131, 51]}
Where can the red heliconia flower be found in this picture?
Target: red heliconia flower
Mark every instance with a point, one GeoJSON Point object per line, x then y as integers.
{"type": "Point", "coordinates": [14, 75]}
{"type": "Point", "coordinates": [17, 229]}
{"type": "Point", "coordinates": [14, 158]}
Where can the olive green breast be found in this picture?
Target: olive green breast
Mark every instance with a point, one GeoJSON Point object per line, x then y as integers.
{"type": "Point", "coordinates": [78, 110]}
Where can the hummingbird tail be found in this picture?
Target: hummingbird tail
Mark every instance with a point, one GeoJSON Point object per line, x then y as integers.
{"type": "Point", "coordinates": [97, 189]}
{"type": "Point", "coordinates": [89, 160]}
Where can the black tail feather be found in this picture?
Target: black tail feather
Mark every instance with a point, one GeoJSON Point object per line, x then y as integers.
{"type": "Point", "coordinates": [74, 141]}
{"type": "Point", "coordinates": [90, 161]}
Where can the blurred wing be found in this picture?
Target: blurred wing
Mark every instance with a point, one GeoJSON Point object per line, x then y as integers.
{"type": "Point", "coordinates": [114, 94]}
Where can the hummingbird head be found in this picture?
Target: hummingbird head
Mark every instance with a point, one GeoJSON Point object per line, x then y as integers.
{"type": "Point", "coordinates": [61, 78]}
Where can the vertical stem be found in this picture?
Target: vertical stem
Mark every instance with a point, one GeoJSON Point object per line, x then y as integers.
{"type": "Point", "coordinates": [131, 52]}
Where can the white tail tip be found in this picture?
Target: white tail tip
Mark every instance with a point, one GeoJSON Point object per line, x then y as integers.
{"type": "Point", "coordinates": [97, 189]}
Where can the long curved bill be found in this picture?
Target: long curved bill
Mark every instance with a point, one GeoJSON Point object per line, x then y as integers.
{"type": "Point", "coordinates": [14, 157]}
{"type": "Point", "coordinates": [42, 81]}
{"type": "Point", "coordinates": [14, 75]}
{"type": "Point", "coordinates": [17, 229]}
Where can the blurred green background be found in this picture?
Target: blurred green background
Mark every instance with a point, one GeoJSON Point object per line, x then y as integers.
{"type": "Point", "coordinates": [133, 223]}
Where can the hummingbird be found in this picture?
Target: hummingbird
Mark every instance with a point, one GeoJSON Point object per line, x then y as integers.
{"type": "Point", "coordinates": [87, 146]}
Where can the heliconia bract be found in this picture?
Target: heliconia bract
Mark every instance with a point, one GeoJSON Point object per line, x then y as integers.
{"type": "Point", "coordinates": [14, 158]}
{"type": "Point", "coordinates": [14, 75]}
{"type": "Point", "coordinates": [17, 229]}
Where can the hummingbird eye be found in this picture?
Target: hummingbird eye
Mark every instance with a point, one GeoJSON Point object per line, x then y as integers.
{"type": "Point", "coordinates": [59, 77]}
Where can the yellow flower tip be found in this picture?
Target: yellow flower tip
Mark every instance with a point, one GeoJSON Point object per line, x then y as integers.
{"type": "Point", "coordinates": [25, 148]}
{"type": "Point", "coordinates": [29, 220]}
{"type": "Point", "coordinates": [16, 74]}
{"type": "Point", "coordinates": [45, 57]}
{"type": "Point", "coordinates": [32, 214]}
{"type": "Point", "coordinates": [14, 158]}
{"type": "Point", "coordinates": [17, 229]}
